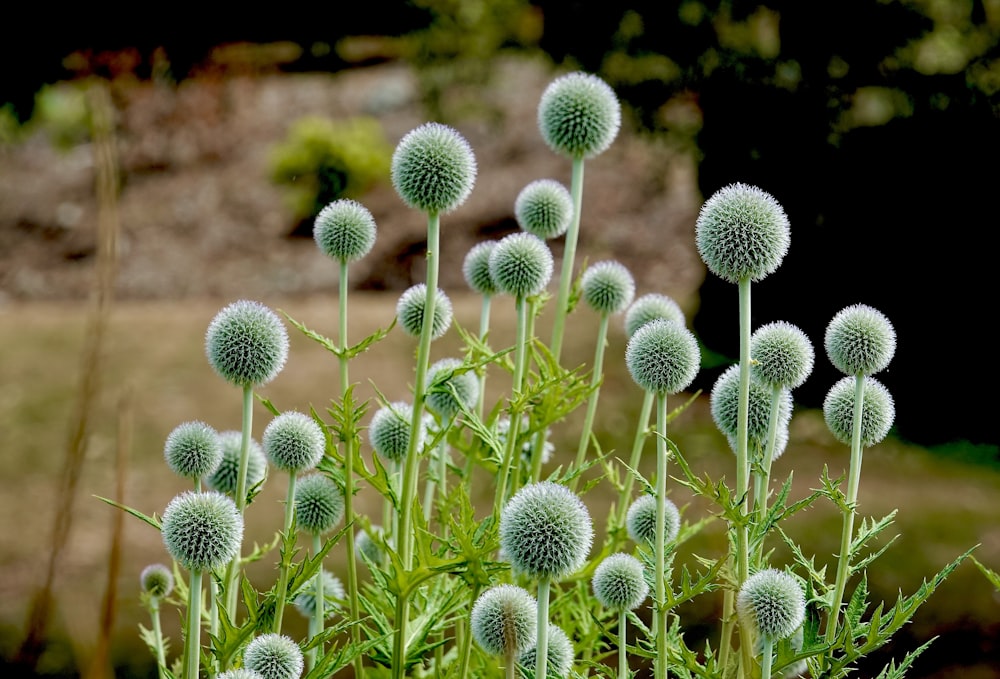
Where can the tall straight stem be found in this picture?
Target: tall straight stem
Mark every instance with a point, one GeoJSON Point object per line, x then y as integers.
{"type": "Point", "coordinates": [569, 257]}
{"type": "Point", "coordinates": [484, 327]}
{"type": "Point", "coordinates": [660, 537]}
{"type": "Point", "coordinates": [641, 429]}
{"type": "Point", "coordinates": [233, 573]}
{"type": "Point", "coordinates": [319, 610]}
{"type": "Point", "coordinates": [597, 376]}
{"type": "Point", "coordinates": [510, 445]}
{"type": "Point", "coordinates": [161, 658]}
{"type": "Point", "coordinates": [192, 644]}
{"type": "Point", "coordinates": [743, 464]}
{"type": "Point", "coordinates": [622, 646]}
{"type": "Point", "coordinates": [542, 645]}
{"type": "Point", "coordinates": [282, 591]}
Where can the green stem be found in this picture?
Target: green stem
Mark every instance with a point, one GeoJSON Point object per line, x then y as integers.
{"type": "Point", "coordinates": [726, 635]}
{"type": "Point", "coordinates": [659, 538]}
{"type": "Point", "coordinates": [282, 591]}
{"type": "Point", "coordinates": [542, 645]}
{"type": "Point", "coordinates": [192, 644]}
{"type": "Point", "coordinates": [233, 573]}
{"type": "Point", "coordinates": [569, 255]}
{"type": "Point", "coordinates": [641, 430]}
{"type": "Point", "coordinates": [622, 646]}
{"type": "Point", "coordinates": [161, 657]}
{"type": "Point", "coordinates": [596, 378]}
{"type": "Point", "coordinates": [765, 660]}
{"type": "Point", "coordinates": [510, 457]}
{"type": "Point", "coordinates": [484, 327]}
{"type": "Point", "coordinates": [743, 464]}
{"type": "Point", "coordinates": [762, 480]}
{"type": "Point", "coordinates": [465, 645]}
{"type": "Point", "coordinates": [316, 622]}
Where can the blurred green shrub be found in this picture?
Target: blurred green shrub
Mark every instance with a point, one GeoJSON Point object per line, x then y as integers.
{"type": "Point", "coordinates": [61, 111]}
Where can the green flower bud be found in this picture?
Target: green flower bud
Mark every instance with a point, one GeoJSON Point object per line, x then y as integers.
{"type": "Point", "coordinates": [367, 546]}
{"type": "Point", "coordinates": [344, 230]}
{"type": "Point", "coordinates": [319, 503]}
{"type": "Point", "coordinates": [293, 442]}
{"type": "Point", "coordinates": [559, 654]}
{"type": "Point", "coordinates": [504, 620]}
{"type": "Point", "coordinates": [202, 531]}
{"type": "Point", "coordinates": [608, 287]}
{"type": "Point", "coordinates": [724, 404]}
{"type": "Point", "coordinates": [663, 357]}
{"type": "Point", "coordinates": [433, 168]}
{"type": "Point", "coordinates": [226, 474]}
{"type": "Point", "coordinates": [193, 450]}
{"type": "Point", "coordinates": [389, 430]}
{"type": "Point", "coordinates": [546, 531]}
{"type": "Point", "coordinates": [649, 307]}
{"type": "Point", "coordinates": [521, 264]}
{"type": "Point", "coordinates": [860, 340]}
{"type": "Point", "coordinates": [878, 411]}
{"type": "Point", "coordinates": [450, 388]}
{"type": "Point", "coordinates": [333, 596]}
{"type": "Point", "coordinates": [772, 603]}
{"type": "Point", "coordinates": [619, 582]}
{"type": "Point", "coordinates": [157, 580]}
{"type": "Point", "coordinates": [640, 520]}
{"type": "Point", "coordinates": [579, 115]}
{"type": "Point", "coordinates": [742, 233]}
{"type": "Point", "coordinates": [476, 269]}
{"type": "Point", "coordinates": [246, 344]}
{"type": "Point", "coordinates": [783, 355]}
{"type": "Point", "coordinates": [239, 673]}
{"type": "Point", "coordinates": [544, 208]}
{"type": "Point", "coordinates": [410, 311]}
{"type": "Point", "coordinates": [274, 656]}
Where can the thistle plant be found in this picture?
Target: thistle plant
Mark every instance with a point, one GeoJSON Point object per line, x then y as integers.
{"type": "Point", "coordinates": [193, 450]}
{"type": "Point", "coordinates": [771, 603]}
{"type": "Point", "coordinates": [476, 271]}
{"type": "Point", "coordinates": [274, 656]}
{"type": "Point", "coordinates": [559, 655]}
{"type": "Point", "coordinates": [504, 623]}
{"type": "Point", "coordinates": [544, 208]}
{"type": "Point", "coordinates": [157, 583]}
{"type": "Point", "coordinates": [620, 585]}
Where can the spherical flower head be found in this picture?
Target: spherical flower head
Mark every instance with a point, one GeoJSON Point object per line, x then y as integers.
{"type": "Point", "coordinates": [559, 654]}
{"type": "Point", "coordinates": [450, 389]}
{"type": "Point", "coordinates": [878, 411]}
{"type": "Point", "coordinates": [433, 168]}
{"type": "Point", "coordinates": [274, 656]}
{"type": "Point", "coordinates": [742, 233]}
{"type": "Point", "coordinates": [608, 287]}
{"type": "Point", "coordinates": [293, 442]}
{"type": "Point", "coordinates": [246, 344]}
{"type": "Point", "coordinates": [504, 620]}
{"type": "Point", "coordinates": [202, 531]}
{"type": "Point", "coordinates": [367, 546]}
{"type": "Point", "coordinates": [410, 311]}
{"type": "Point", "coordinates": [319, 503]}
{"type": "Point", "coordinates": [663, 357]}
{"type": "Point", "coordinates": [783, 355]}
{"type": "Point", "coordinates": [192, 450]}
{"type": "Point", "coordinates": [771, 602]}
{"type": "Point", "coordinates": [239, 673]}
{"type": "Point", "coordinates": [544, 208]}
{"type": "Point", "coordinates": [546, 531]}
{"type": "Point", "coordinates": [619, 582]}
{"type": "Point", "coordinates": [476, 269]}
{"type": "Point", "coordinates": [640, 520]}
{"type": "Point", "coordinates": [521, 264]}
{"type": "Point", "coordinates": [860, 340]}
{"type": "Point", "coordinates": [389, 430]}
{"type": "Point", "coordinates": [333, 594]}
{"type": "Point", "coordinates": [344, 230]}
{"type": "Point", "coordinates": [226, 474]}
{"type": "Point", "coordinates": [528, 447]}
{"type": "Point", "coordinates": [724, 404]}
{"type": "Point", "coordinates": [157, 580]}
{"type": "Point", "coordinates": [579, 115]}
{"type": "Point", "coordinates": [780, 443]}
{"type": "Point", "coordinates": [649, 307]}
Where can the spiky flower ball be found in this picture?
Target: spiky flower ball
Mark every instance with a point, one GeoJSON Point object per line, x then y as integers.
{"type": "Point", "coordinates": [367, 546]}
{"type": "Point", "coordinates": [546, 531]}
{"type": "Point", "coordinates": [742, 233]}
{"type": "Point", "coordinates": [608, 287]}
{"type": "Point", "coordinates": [344, 230]}
{"type": "Point", "coordinates": [783, 355]}
{"type": "Point", "coordinates": [544, 208]}
{"type": "Point", "coordinates": [521, 264]}
{"type": "Point", "coordinates": [757, 446]}
{"type": "Point", "coordinates": [246, 344]}
{"type": "Point", "coordinates": [663, 356]}
{"type": "Point", "coordinates": [274, 656]}
{"type": "Point", "coordinates": [579, 115]}
{"type": "Point", "coordinates": [476, 268]}
{"type": "Point", "coordinates": [389, 431]}
{"type": "Point", "coordinates": [333, 594]}
{"type": "Point", "coordinates": [319, 503]}
{"type": "Point", "coordinates": [619, 583]}
{"type": "Point", "coordinates": [725, 400]}
{"type": "Point", "coordinates": [192, 450]}
{"type": "Point", "coordinates": [239, 673]}
{"type": "Point", "coordinates": [860, 340]}
{"type": "Point", "coordinates": [649, 307]}
{"type": "Point", "coordinates": [504, 620]}
{"type": "Point", "coordinates": [449, 388]}
{"type": "Point", "coordinates": [410, 311]}
{"type": "Point", "coordinates": [157, 580]}
{"type": "Point", "coordinates": [226, 474]}
{"type": "Point", "coordinates": [878, 411]}
{"type": "Point", "coordinates": [560, 655]}
{"type": "Point", "coordinates": [640, 520]}
{"type": "Point", "coordinates": [293, 442]}
{"type": "Point", "coordinates": [202, 531]}
{"type": "Point", "coordinates": [771, 602]}
{"type": "Point", "coordinates": [433, 168]}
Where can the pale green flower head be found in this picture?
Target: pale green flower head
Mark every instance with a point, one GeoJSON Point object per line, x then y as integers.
{"type": "Point", "coordinates": [608, 287]}
{"type": "Point", "coordinates": [389, 431]}
{"type": "Point", "coordinates": [560, 655]}
{"type": "Point", "coordinates": [521, 264]}
{"type": "Point", "coordinates": [544, 208]}
{"type": "Point", "coordinates": [640, 520]}
{"type": "Point", "coordinates": [783, 355]}
{"type": "Point", "coordinates": [663, 357]}
{"type": "Point", "coordinates": [450, 388]}
{"type": "Point", "coordinates": [293, 442]}
{"type": "Point", "coordinates": [433, 168]}
{"type": "Point", "coordinates": [476, 269]}
{"type": "Point", "coordinates": [772, 603]}
{"type": "Point", "coordinates": [274, 656]}
{"type": "Point", "coordinates": [619, 582]}
{"type": "Point", "coordinates": [579, 115]}
{"type": "Point", "coordinates": [334, 595]}
{"type": "Point", "coordinates": [504, 620]}
{"type": "Point", "coordinates": [319, 503]}
{"type": "Point", "coordinates": [344, 230]}
{"type": "Point", "coordinates": [878, 411]}
{"type": "Point", "coordinates": [649, 307]}
{"type": "Point", "coordinates": [410, 311]}
{"type": "Point", "coordinates": [246, 344]}
{"type": "Point", "coordinates": [860, 340]}
{"type": "Point", "coordinates": [193, 450]}
{"type": "Point", "coordinates": [725, 400]}
{"type": "Point", "coordinates": [202, 531]}
{"type": "Point", "coordinates": [239, 673]}
{"type": "Point", "coordinates": [368, 547]}
{"type": "Point", "coordinates": [226, 474]}
{"type": "Point", "coordinates": [157, 580]}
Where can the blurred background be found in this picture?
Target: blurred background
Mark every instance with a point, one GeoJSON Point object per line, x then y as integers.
{"type": "Point", "coordinates": [153, 170]}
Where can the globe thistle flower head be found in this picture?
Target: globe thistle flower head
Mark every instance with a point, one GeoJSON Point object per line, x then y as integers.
{"type": "Point", "coordinates": [771, 602]}
{"type": "Point", "coordinates": [367, 546]}
{"type": "Point", "coordinates": [663, 356]}
{"type": "Point", "coordinates": [725, 399]}
{"type": "Point", "coordinates": [192, 450]}
{"type": "Point", "coordinates": [156, 580]}
{"type": "Point", "coordinates": [579, 115]}
{"type": "Point", "coordinates": [758, 446]}
{"type": "Point", "coordinates": [274, 656]}
{"type": "Point", "coordinates": [560, 655]}
{"type": "Point", "coordinates": [742, 233]}
{"type": "Point", "coordinates": [344, 230]}
{"type": "Point", "coordinates": [246, 344]}
{"type": "Point", "coordinates": [504, 620]}
{"type": "Point", "coordinates": [202, 531]}
{"type": "Point", "coordinates": [333, 595]}
{"type": "Point", "coordinates": [649, 307]}
{"type": "Point", "coordinates": [433, 168]}
{"type": "Point", "coordinates": [878, 411]}
{"type": "Point", "coordinates": [410, 311]}
{"type": "Point", "coordinates": [619, 582]}
{"type": "Point", "coordinates": [546, 531]}
{"type": "Point", "coordinates": [608, 287]}
{"type": "Point", "coordinates": [544, 208]}
{"type": "Point", "coordinates": [239, 673]}
{"type": "Point", "coordinates": [640, 520]}
{"type": "Point", "coordinates": [450, 389]}
{"type": "Point", "coordinates": [226, 474]}
{"type": "Point", "coordinates": [318, 504]}
{"type": "Point", "coordinates": [476, 269]}
{"type": "Point", "coordinates": [293, 442]}
{"type": "Point", "coordinates": [783, 355]}
{"type": "Point", "coordinates": [521, 264]}
{"type": "Point", "coordinates": [389, 431]}
{"type": "Point", "coordinates": [860, 340]}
